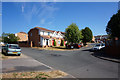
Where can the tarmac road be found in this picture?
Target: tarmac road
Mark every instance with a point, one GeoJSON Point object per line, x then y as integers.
{"type": "Point", "coordinates": [79, 63]}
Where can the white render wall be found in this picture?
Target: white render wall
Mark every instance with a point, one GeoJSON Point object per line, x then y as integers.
{"type": "Point", "coordinates": [55, 34]}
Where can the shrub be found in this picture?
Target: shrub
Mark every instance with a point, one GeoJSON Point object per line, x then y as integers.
{"type": "Point", "coordinates": [54, 43]}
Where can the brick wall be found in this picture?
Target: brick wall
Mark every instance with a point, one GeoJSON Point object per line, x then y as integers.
{"type": "Point", "coordinates": [22, 36]}
{"type": "Point", "coordinates": [24, 44]}
{"type": "Point", "coordinates": [33, 36]}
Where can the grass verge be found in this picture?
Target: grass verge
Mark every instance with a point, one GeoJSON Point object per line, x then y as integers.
{"type": "Point", "coordinates": [37, 74]}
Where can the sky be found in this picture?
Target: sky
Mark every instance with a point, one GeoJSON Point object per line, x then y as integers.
{"type": "Point", "coordinates": [22, 16]}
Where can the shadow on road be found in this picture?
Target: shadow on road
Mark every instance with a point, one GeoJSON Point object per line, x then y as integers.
{"type": "Point", "coordinates": [9, 54]}
{"type": "Point", "coordinates": [102, 55]}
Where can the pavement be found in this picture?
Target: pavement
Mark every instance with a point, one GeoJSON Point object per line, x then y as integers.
{"type": "Point", "coordinates": [80, 63]}
{"type": "Point", "coordinates": [24, 63]}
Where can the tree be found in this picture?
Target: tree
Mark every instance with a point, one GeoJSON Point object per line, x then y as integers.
{"type": "Point", "coordinates": [62, 42]}
{"type": "Point", "coordinates": [72, 34]}
{"type": "Point", "coordinates": [87, 35]}
{"type": "Point", "coordinates": [113, 26]}
{"type": "Point", "coordinates": [54, 42]}
{"type": "Point", "coordinates": [9, 38]}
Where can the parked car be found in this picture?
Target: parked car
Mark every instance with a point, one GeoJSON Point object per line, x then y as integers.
{"type": "Point", "coordinates": [77, 45]}
{"type": "Point", "coordinates": [69, 46]}
{"type": "Point", "coordinates": [11, 49]}
{"type": "Point", "coordinates": [98, 47]}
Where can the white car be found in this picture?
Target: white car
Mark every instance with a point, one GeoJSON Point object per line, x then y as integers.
{"type": "Point", "coordinates": [98, 47]}
{"type": "Point", "coordinates": [11, 49]}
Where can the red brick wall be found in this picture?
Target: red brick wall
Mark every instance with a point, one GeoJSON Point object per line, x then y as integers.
{"type": "Point", "coordinates": [35, 38]}
{"type": "Point", "coordinates": [24, 44]}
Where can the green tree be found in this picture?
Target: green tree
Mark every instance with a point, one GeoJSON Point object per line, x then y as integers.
{"type": "Point", "coordinates": [113, 26]}
{"type": "Point", "coordinates": [87, 35]}
{"type": "Point", "coordinates": [62, 42]}
{"type": "Point", "coordinates": [54, 42]}
{"type": "Point", "coordinates": [9, 38]}
{"type": "Point", "coordinates": [73, 34]}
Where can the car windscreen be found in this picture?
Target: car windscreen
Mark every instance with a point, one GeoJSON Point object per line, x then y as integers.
{"type": "Point", "coordinates": [97, 45]}
{"type": "Point", "coordinates": [14, 47]}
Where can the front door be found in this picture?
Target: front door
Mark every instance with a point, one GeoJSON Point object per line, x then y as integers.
{"type": "Point", "coordinates": [46, 41]}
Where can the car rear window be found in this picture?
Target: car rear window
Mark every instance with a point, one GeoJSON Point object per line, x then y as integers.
{"type": "Point", "coordinates": [14, 47]}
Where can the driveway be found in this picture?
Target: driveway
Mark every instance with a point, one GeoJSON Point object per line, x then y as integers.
{"type": "Point", "coordinates": [80, 63]}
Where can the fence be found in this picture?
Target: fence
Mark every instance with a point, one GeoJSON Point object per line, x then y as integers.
{"type": "Point", "coordinates": [112, 47]}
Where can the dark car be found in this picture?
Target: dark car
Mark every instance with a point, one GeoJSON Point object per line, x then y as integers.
{"type": "Point", "coordinates": [77, 45]}
{"type": "Point", "coordinates": [69, 46]}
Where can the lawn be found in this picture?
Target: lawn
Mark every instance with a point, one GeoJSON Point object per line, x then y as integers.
{"type": "Point", "coordinates": [37, 74]}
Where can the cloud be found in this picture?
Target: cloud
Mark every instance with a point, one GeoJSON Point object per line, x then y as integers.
{"type": "Point", "coordinates": [22, 8]}
{"type": "Point", "coordinates": [43, 12]}
{"type": "Point", "coordinates": [42, 21]}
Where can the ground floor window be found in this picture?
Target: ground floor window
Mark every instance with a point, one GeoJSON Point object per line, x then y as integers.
{"type": "Point", "coordinates": [59, 42]}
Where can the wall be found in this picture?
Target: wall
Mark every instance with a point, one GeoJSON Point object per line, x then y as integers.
{"type": "Point", "coordinates": [35, 37]}
{"type": "Point", "coordinates": [24, 44]}
{"type": "Point", "coordinates": [22, 36]}
{"type": "Point", "coordinates": [112, 47]}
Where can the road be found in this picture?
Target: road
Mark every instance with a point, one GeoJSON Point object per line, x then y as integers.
{"type": "Point", "coordinates": [79, 63]}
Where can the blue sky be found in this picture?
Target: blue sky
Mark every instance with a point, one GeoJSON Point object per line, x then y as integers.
{"type": "Point", "coordinates": [22, 16]}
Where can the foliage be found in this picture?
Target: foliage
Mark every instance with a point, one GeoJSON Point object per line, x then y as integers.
{"type": "Point", "coordinates": [73, 34]}
{"type": "Point", "coordinates": [54, 42]}
{"type": "Point", "coordinates": [9, 38]}
{"type": "Point", "coordinates": [62, 42]}
{"type": "Point", "coordinates": [87, 35]}
{"type": "Point", "coordinates": [113, 26]}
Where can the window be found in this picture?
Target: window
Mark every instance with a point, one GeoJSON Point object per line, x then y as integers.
{"type": "Point", "coordinates": [43, 32]}
{"type": "Point", "coordinates": [48, 33]}
{"type": "Point", "coordinates": [25, 36]}
{"type": "Point", "coordinates": [59, 42]}
{"type": "Point", "coordinates": [31, 34]}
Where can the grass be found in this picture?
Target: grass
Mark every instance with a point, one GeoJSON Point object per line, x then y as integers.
{"type": "Point", "coordinates": [37, 74]}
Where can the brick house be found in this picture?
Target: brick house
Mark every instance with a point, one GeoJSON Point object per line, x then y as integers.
{"type": "Point", "coordinates": [40, 37]}
{"type": "Point", "coordinates": [22, 35]}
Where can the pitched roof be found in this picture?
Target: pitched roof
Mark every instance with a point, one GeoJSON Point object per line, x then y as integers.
{"type": "Point", "coordinates": [40, 28]}
{"type": "Point", "coordinates": [23, 32]}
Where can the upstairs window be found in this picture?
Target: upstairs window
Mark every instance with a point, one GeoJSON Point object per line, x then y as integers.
{"type": "Point", "coordinates": [31, 34]}
{"type": "Point", "coordinates": [48, 33]}
{"type": "Point", "coordinates": [43, 32]}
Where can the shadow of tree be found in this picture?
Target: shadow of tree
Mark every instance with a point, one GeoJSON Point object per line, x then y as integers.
{"type": "Point", "coordinates": [102, 55]}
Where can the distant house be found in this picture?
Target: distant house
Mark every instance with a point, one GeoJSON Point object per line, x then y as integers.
{"type": "Point", "coordinates": [40, 37]}
{"type": "Point", "coordinates": [22, 35]}
{"type": "Point", "coordinates": [99, 38]}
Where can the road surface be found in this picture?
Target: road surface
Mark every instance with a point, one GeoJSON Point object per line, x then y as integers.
{"type": "Point", "coordinates": [79, 63]}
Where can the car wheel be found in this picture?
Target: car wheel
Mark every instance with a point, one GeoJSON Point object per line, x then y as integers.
{"type": "Point", "coordinates": [18, 54]}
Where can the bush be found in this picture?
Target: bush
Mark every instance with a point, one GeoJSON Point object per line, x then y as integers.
{"type": "Point", "coordinates": [62, 43]}
{"type": "Point", "coordinates": [54, 43]}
